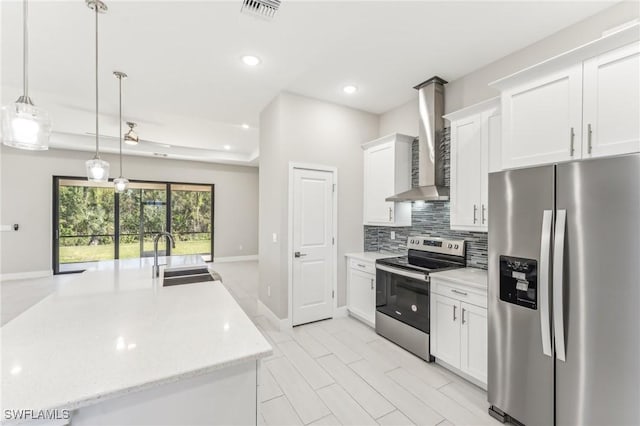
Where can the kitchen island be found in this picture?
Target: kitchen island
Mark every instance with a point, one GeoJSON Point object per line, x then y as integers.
{"type": "Point", "coordinates": [115, 347]}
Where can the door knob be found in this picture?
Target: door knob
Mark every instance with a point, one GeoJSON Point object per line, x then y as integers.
{"type": "Point", "coordinates": [298, 254]}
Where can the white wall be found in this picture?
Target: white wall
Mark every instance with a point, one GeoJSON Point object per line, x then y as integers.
{"type": "Point", "coordinates": [26, 199]}
{"type": "Point", "coordinates": [301, 129]}
{"type": "Point", "coordinates": [473, 87]}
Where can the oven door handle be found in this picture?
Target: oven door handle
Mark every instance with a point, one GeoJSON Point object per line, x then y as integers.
{"type": "Point", "coordinates": [408, 274]}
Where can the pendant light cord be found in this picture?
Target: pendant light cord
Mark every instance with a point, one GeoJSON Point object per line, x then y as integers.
{"type": "Point", "coordinates": [25, 50]}
{"type": "Point", "coordinates": [96, 6]}
{"type": "Point", "coordinates": [120, 123]}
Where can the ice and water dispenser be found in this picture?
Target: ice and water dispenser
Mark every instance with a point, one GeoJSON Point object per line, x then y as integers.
{"type": "Point", "coordinates": [519, 281]}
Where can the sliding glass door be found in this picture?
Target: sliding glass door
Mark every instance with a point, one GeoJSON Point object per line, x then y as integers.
{"type": "Point", "coordinates": [92, 223]}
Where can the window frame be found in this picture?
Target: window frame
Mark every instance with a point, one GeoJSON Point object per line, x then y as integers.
{"type": "Point", "coordinates": [55, 240]}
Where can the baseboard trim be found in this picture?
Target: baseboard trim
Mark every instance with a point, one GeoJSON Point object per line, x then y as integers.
{"type": "Point", "coordinates": [235, 258]}
{"type": "Point", "coordinates": [340, 312]}
{"type": "Point", "coordinates": [279, 323]}
{"type": "Point", "coordinates": [25, 275]}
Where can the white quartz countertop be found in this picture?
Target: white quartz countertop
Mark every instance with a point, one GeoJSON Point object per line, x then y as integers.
{"type": "Point", "coordinates": [114, 331]}
{"type": "Point", "coordinates": [372, 256]}
{"type": "Point", "coordinates": [474, 277]}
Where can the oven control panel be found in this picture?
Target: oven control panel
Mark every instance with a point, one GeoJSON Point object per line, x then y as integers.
{"type": "Point", "coordinates": [436, 245]}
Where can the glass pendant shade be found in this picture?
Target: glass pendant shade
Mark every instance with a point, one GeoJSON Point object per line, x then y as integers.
{"type": "Point", "coordinates": [97, 170]}
{"type": "Point", "coordinates": [25, 126]}
{"type": "Point", "coordinates": [121, 184]}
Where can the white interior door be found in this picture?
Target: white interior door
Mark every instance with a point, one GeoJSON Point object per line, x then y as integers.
{"type": "Point", "coordinates": [313, 262]}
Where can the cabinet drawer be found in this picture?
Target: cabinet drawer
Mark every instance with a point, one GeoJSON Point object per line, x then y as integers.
{"type": "Point", "coordinates": [363, 266]}
{"type": "Point", "coordinates": [459, 292]}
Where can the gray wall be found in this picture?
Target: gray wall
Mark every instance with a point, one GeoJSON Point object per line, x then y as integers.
{"type": "Point", "coordinates": [299, 129]}
{"type": "Point", "coordinates": [26, 198]}
{"type": "Point", "coordinates": [473, 87]}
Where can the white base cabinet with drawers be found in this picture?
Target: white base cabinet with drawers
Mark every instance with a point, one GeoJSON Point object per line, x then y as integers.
{"type": "Point", "coordinates": [459, 328]}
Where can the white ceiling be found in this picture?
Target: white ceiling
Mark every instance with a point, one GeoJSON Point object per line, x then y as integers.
{"type": "Point", "coordinates": [187, 86]}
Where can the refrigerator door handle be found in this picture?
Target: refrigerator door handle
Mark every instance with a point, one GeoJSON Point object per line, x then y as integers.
{"type": "Point", "coordinates": [545, 272]}
{"type": "Point", "coordinates": [558, 285]}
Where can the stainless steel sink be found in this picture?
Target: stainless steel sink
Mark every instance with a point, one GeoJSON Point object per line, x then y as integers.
{"type": "Point", "coordinates": [186, 275]}
{"type": "Point", "coordinates": [178, 272]}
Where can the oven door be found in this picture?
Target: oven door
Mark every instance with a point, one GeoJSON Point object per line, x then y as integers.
{"type": "Point", "coordinates": [403, 295]}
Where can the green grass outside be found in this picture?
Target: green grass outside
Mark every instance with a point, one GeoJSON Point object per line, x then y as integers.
{"type": "Point", "coordinates": [73, 254]}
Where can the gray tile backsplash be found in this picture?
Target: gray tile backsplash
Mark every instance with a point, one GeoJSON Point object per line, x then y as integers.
{"type": "Point", "coordinates": [428, 218]}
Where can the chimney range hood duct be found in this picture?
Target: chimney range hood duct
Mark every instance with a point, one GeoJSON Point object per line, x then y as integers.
{"type": "Point", "coordinates": [430, 156]}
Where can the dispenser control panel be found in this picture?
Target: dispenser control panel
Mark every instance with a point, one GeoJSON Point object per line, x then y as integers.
{"type": "Point", "coordinates": [519, 281]}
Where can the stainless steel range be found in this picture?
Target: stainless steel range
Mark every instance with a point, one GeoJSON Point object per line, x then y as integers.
{"type": "Point", "coordinates": [402, 290]}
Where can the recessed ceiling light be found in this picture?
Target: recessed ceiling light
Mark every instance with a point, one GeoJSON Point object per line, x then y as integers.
{"type": "Point", "coordinates": [251, 60]}
{"type": "Point", "coordinates": [350, 89]}
{"type": "Point", "coordinates": [227, 147]}
{"type": "Point", "coordinates": [245, 126]}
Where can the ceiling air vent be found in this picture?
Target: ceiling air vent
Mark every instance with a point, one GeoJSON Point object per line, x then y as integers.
{"type": "Point", "coordinates": [261, 8]}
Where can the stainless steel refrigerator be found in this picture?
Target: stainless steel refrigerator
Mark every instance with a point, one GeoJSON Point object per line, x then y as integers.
{"type": "Point", "coordinates": [564, 293]}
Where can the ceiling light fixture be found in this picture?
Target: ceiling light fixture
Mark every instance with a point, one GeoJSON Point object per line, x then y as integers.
{"type": "Point", "coordinates": [121, 183]}
{"type": "Point", "coordinates": [24, 125]}
{"type": "Point", "coordinates": [251, 60]}
{"type": "Point", "coordinates": [227, 147]}
{"type": "Point", "coordinates": [245, 126]}
{"type": "Point", "coordinates": [131, 137]}
{"type": "Point", "coordinates": [97, 169]}
{"type": "Point", "coordinates": [350, 89]}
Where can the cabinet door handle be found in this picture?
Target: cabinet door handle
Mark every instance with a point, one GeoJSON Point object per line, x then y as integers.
{"type": "Point", "coordinates": [589, 133]}
{"type": "Point", "coordinates": [371, 283]}
{"type": "Point", "coordinates": [390, 213]}
{"type": "Point", "coordinates": [454, 312]}
{"type": "Point", "coordinates": [463, 315]}
{"type": "Point", "coordinates": [361, 265]}
{"type": "Point", "coordinates": [483, 211]}
{"type": "Point", "coordinates": [453, 290]}
{"type": "Point", "coordinates": [572, 136]}
{"type": "Point", "coordinates": [475, 213]}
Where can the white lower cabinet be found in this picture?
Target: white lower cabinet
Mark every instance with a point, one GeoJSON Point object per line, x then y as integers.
{"type": "Point", "coordinates": [445, 338]}
{"type": "Point", "coordinates": [361, 290]}
{"type": "Point", "coordinates": [473, 342]}
{"type": "Point", "coordinates": [459, 329]}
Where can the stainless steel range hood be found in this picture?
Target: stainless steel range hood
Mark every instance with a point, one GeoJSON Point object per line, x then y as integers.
{"type": "Point", "coordinates": [430, 157]}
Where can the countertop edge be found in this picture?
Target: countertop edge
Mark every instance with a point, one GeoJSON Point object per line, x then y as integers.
{"type": "Point", "coordinates": [94, 399]}
{"type": "Point", "coordinates": [450, 275]}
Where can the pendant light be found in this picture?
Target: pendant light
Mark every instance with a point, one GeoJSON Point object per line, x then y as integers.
{"type": "Point", "coordinates": [24, 125]}
{"type": "Point", "coordinates": [97, 169]}
{"type": "Point", "coordinates": [121, 184]}
{"type": "Point", "coordinates": [131, 137]}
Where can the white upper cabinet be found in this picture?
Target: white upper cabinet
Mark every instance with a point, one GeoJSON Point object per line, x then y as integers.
{"type": "Point", "coordinates": [542, 119]}
{"type": "Point", "coordinates": [387, 171]}
{"type": "Point", "coordinates": [475, 136]}
{"type": "Point", "coordinates": [581, 104]}
{"type": "Point", "coordinates": [612, 103]}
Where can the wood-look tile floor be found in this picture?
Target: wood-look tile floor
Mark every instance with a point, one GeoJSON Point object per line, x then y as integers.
{"type": "Point", "coordinates": [340, 372]}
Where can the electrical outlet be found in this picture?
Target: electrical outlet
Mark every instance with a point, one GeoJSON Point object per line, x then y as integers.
{"type": "Point", "coordinates": [393, 235]}
{"type": "Point", "coordinates": [274, 237]}
{"type": "Point", "coordinates": [269, 290]}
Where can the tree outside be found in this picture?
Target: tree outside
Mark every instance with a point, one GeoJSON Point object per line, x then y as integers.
{"type": "Point", "coordinates": [87, 220]}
